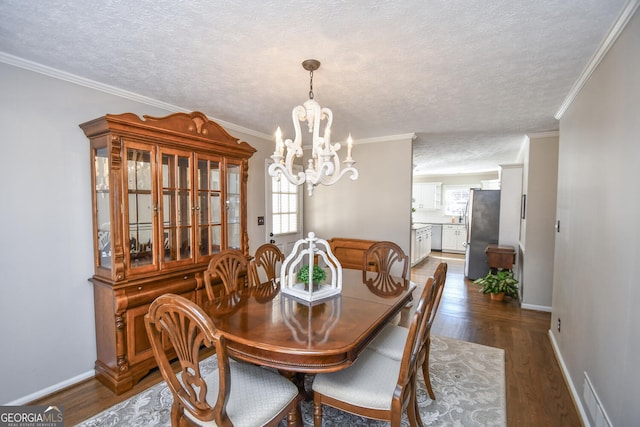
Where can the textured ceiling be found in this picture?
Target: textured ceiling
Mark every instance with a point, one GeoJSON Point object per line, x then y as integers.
{"type": "Point", "coordinates": [469, 78]}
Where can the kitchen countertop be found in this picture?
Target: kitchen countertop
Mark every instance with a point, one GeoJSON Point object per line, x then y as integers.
{"type": "Point", "coordinates": [418, 225]}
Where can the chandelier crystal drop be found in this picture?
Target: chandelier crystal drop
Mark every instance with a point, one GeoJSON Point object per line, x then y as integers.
{"type": "Point", "coordinates": [324, 165]}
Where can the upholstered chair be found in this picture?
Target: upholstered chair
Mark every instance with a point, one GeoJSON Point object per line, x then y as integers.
{"type": "Point", "coordinates": [264, 266]}
{"type": "Point", "coordinates": [391, 339]}
{"type": "Point", "coordinates": [229, 392]}
{"type": "Point", "coordinates": [376, 386]}
{"type": "Point", "coordinates": [231, 266]}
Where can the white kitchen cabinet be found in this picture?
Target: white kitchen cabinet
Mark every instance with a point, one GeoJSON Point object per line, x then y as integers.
{"type": "Point", "coordinates": [427, 195]}
{"type": "Point", "coordinates": [454, 237]}
{"type": "Point", "coordinates": [420, 244]}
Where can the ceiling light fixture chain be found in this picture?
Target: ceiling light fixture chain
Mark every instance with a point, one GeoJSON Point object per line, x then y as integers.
{"type": "Point", "coordinates": [324, 165]}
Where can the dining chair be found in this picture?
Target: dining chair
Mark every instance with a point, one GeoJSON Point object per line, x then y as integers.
{"type": "Point", "coordinates": [264, 265]}
{"type": "Point", "coordinates": [386, 257]}
{"type": "Point", "coordinates": [376, 386]}
{"type": "Point", "coordinates": [391, 339]}
{"type": "Point", "coordinates": [389, 261]}
{"type": "Point", "coordinates": [231, 266]}
{"type": "Point", "coordinates": [230, 392]}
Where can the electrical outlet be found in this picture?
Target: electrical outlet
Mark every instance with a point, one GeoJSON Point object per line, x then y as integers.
{"type": "Point", "coordinates": [558, 324]}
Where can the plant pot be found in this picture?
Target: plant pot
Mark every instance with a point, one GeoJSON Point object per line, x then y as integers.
{"type": "Point", "coordinates": [497, 297]}
{"type": "Point", "coordinates": [316, 286]}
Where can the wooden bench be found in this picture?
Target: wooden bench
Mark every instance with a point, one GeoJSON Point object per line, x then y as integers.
{"type": "Point", "coordinates": [350, 251]}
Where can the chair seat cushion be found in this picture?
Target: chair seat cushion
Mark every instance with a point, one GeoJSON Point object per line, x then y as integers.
{"type": "Point", "coordinates": [369, 383]}
{"type": "Point", "coordinates": [390, 341]}
{"type": "Point", "coordinates": [257, 394]}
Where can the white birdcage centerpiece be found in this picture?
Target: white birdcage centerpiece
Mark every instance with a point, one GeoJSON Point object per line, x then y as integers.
{"type": "Point", "coordinates": [302, 259]}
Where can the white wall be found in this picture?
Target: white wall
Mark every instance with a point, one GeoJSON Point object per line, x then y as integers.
{"type": "Point", "coordinates": [597, 261]}
{"type": "Point", "coordinates": [377, 206]}
{"type": "Point", "coordinates": [537, 238]}
{"type": "Point", "coordinates": [510, 204]}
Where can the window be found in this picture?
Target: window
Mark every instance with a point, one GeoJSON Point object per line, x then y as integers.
{"type": "Point", "coordinates": [284, 206]}
{"type": "Point", "coordinates": [455, 199]}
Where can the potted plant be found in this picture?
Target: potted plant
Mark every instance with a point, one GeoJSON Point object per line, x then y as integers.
{"type": "Point", "coordinates": [318, 276]}
{"type": "Point", "coordinates": [499, 284]}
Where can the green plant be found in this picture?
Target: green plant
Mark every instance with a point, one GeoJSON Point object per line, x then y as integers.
{"type": "Point", "coordinates": [500, 281]}
{"type": "Point", "coordinates": [318, 276]}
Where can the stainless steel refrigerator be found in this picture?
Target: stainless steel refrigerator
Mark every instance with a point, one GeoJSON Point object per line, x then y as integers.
{"type": "Point", "coordinates": [482, 218]}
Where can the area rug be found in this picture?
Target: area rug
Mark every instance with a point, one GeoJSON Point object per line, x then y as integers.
{"type": "Point", "coordinates": [468, 380]}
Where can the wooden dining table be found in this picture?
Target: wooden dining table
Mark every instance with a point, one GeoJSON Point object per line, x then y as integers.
{"type": "Point", "coordinates": [267, 327]}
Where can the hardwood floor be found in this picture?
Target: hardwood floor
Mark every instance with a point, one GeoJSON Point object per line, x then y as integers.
{"type": "Point", "coordinates": [536, 392]}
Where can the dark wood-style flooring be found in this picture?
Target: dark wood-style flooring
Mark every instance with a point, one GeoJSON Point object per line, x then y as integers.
{"type": "Point", "coordinates": [536, 392]}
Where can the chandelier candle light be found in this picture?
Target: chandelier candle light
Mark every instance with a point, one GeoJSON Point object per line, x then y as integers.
{"type": "Point", "coordinates": [324, 165]}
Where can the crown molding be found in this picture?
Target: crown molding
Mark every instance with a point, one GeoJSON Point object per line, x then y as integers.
{"type": "Point", "coordinates": [606, 44]}
{"type": "Point", "coordinates": [547, 134]}
{"type": "Point", "coordinates": [388, 138]}
{"type": "Point", "coordinates": [112, 90]}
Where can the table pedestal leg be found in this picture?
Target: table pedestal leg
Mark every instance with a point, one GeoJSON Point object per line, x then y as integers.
{"type": "Point", "coordinates": [298, 379]}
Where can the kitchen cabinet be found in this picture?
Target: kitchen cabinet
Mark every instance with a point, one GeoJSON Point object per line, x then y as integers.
{"type": "Point", "coordinates": [454, 238]}
{"type": "Point", "coordinates": [167, 194]}
{"type": "Point", "coordinates": [420, 244]}
{"type": "Point", "coordinates": [427, 195]}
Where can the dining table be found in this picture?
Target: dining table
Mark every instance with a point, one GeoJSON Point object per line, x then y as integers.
{"type": "Point", "coordinates": [267, 327]}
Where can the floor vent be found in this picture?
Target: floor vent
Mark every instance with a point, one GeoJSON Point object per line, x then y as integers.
{"type": "Point", "coordinates": [593, 404]}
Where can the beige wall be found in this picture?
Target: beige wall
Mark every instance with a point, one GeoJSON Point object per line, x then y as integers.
{"type": "Point", "coordinates": [46, 255]}
{"type": "Point", "coordinates": [376, 206]}
{"type": "Point", "coordinates": [597, 260]}
{"type": "Point", "coordinates": [45, 220]}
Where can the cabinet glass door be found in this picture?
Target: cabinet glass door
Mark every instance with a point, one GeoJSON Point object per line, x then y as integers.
{"type": "Point", "coordinates": [141, 207]}
{"type": "Point", "coordinates": [209, 206]}
{"type": "Point", "coordinates": [233, 206]}
{"type": "Point", "coordinates": [102, 207]}
{"type": "Point", "coordinates": [176, 226]}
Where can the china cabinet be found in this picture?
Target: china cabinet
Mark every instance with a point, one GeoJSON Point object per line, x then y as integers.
{"type": "Point", "coordinates": [168, 193]}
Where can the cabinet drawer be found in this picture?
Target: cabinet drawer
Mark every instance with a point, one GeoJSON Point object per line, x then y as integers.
{"type": "Point", "coordinates": [144, 292]}
{"type": "Point", "coordinates": [138, 345]}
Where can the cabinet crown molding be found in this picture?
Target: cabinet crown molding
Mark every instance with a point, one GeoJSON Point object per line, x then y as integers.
{"type": "Point", "coordinates": [194, 126]}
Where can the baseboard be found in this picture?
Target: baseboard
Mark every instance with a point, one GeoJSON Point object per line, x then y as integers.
{"type": "Point", "coordinates": [52, 389]}
{"type": "Point", "coordinates": [536, 307]}
{"type": "Point", "coordinates": [567, 379]}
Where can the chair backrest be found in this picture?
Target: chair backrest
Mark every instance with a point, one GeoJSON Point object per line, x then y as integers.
{"type": "Point", "coordinates": [229, 265]}
{"type": "Point", "coordinates": [410, 363]}
{"type": "Point", "coordinates": [264, 266]}
{"type": "Point", "coordinates": [440, 277]}
{"type": "Point", "coordinates": [188, 328]}
{"type": "Point", "coordinates": [386, 257]}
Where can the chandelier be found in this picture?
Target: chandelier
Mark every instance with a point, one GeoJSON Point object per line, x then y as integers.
{"type": "Point", "coordinates": [324, 165]}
